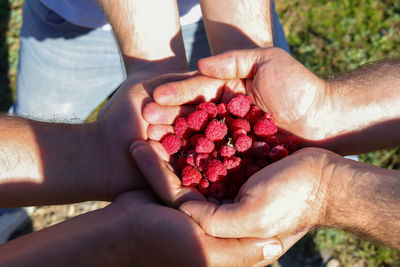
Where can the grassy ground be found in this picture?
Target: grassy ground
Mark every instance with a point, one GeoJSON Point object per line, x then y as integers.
{"type": "Point", "coordinates": [328, 37]}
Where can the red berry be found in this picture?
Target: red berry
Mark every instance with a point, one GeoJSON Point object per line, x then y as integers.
{"type": "Point", "coordinates": [227, 151]}
{"type": "Point", "coordinates": [260, 149]}
{"type": "Point", "coordinates": [291, 143]}
{"type": "Point", "coordinates": [265, 127]}
{"type": "Point", "coordinates": [254, 114]}
{"type": "Point", "coordinates": [197, 120]}
{"type": "Point", "coordinates": [193, 139]}
{"type": "Point", "coordinates": [237, 134]}
{"type": "Point", "coordinates": [181, 128]}
{"type": "Point", "coordinates": [190, 176]}
{"type": "Point", "coordinates": [204, 186]}
{"type": "Point", "coordinates": [218, 190]}
{"type": "Point", "coordinates": [216, 131]}
{"type": "Point", "coordinates": [222, 110]}
{"type": "Point", "coordinates": [243, 143]}
{"type": "Point", "coordinates": [210, 108]}
{"type": "Point", "coordinates": [171, 143]}
{"type": "Point", "coordinates": [232, 164]}
{"type": "Point", "coordinates": [215, 170]}
{"type": "Point", "coordinates": [271, 140]}
{"type": "Point", "coordinates": [240, 124]}
{"type": "Point", "coordinates": [278, 152]}
{"type": "Point", "coordinates": [202, 161]}
{"type": "Point", "coordinates": [239, 106]}
{"type": "Point", "coordinates": [204, 145]}
{"type": "Point", "coordinates": [189, 159]}
{"type": "Point", "coordinates": [262, 163]}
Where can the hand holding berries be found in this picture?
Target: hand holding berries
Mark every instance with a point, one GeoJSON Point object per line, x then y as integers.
{"type": "Point", "coordinates": [228, 144]}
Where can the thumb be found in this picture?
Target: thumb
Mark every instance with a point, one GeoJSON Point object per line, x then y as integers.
{"type": "Point", "coordinates": [238, 64]}
{"type": "Point", "coordinates": [225, 221]}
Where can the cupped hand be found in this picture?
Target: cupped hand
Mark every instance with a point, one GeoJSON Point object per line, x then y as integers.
{"type": "Point", "coordinates": [121, 122]}
{"type": "Point", "coordinates": [199, 247]}
{"type": "Point", "coordinates": [277, 83]}
{"type": "Point", "coordinates": [286, 197]}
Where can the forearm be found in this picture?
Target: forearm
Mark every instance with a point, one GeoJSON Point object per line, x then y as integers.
{"type": "Point", "coordinates": [361, 110]}
{"type": "Point", "coordinates": [46, 163]}
{"type": "Point", "coordinates": [237, 24]}
{"type": "Point", "coordinates": [365, 200]}
{"type": "Point", "coordinates": [92, 239]}
{"type": "Point", "coordinates": [148, 34]}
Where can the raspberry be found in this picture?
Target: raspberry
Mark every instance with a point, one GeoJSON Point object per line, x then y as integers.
{"type": "Point", "coordinates": [203, 186]}
{"type": "Point", "coordinates": [181, 128]}
{"type": "Point", "coordinates": [291, 143]}
{"type": "Point", "coordinates": [239, 106]}
{"type": "Point", "coordinates": [222, 109]}
{"type": "Point", "coordinates": [243, 143]}
{"type": "Point", "coordinates": [190, 176]}
{"type": "Point", "coordinates": [189, 159]}
{"type": "Point", "coordinates": [278, 152]}
{"type": "Point", "coordinates": [171, 143]}
{"type": "Point", "coordinates": [215, 170]}
{"type": "Point", "coordinates": [197, 120]}
{"type": "Point", "coordinates": [232, 164]}
{"type": "Point", "coordinates": [271, 140]}
{"type": "Point", "coordinates": [217, 156]}
{"type": "Point", "coordinates": [237, 134]}
{"type": "Point", "coordinates": [193, 139]}
{"type": "Point", "coordinates": [218, 190]}
{"type": "Point", "coordinates": [202, 161]}
{"type": "Point", "coordinates": [227, 151]}
{"type": "Point", "coordinates": [216, 131]}
{"type": "Point", "coordinates": [210, 108]}
{"type": "Point", "coordinates": [254, 115]}
{"type": "Point", "coordinates": [260, 149]}
{"type": "Point", "coordinates": [265, 127]}
{"type": "Point", "coordinates": [240, 124]}
{"type": "Point", "coordinates": [204, 145]}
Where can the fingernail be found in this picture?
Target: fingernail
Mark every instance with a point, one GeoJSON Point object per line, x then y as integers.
{"type": "Point", "coordinates": [134, 145]}
{"type": "Point", "coordinates": [272, 249]}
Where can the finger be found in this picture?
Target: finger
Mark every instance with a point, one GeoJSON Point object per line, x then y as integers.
{"type": "Point", "coordinates": [163, 181]}
{"type": "Point", "coordinates": [234, 64]}
{"type": "Point", "coordinates": [225, 221]}
{"type": "Point", "coordinates": [157, 114]}
{"type": "Point", "coordinates": [193, 90]}
{"type": "Point", "coordinates": [157, 131]}
{"type": "Point", "coordinates": [243, 252]}
{"type": "Point", "coordinates": [151, 83]}
{"type": "Point", "coordinates": [275, 247]}
{"type": "Point", "coordinates": [159, 149]}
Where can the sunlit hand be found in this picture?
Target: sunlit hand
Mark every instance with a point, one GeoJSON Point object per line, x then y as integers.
{"type": "Point", "coordinates": [286, 197]}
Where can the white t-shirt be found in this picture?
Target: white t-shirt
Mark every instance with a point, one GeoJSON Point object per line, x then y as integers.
{"type": "Point", "coordinates": [87, 13]}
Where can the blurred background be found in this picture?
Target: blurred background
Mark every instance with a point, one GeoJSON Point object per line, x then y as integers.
{"type": "Point", "coordinates": [328, 37]}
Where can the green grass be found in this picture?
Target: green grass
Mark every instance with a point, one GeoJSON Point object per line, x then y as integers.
{"type": "Point", "coordinates": [328, 37]}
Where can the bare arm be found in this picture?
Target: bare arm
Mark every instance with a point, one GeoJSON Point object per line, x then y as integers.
{"type": "Point", "coordinates": [232, 24]}
{"type": "Point", "coordinates": [365, 200]}
{"type": "Point", "coordinates": [148, 34]}
{"type": "Point", "coordinates": [49, 163]}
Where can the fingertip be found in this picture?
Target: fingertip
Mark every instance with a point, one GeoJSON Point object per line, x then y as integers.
{"type": "Point", "coordinates": [136, 144]}
{"type": "Point", "coordinates": [157, 132]}
{"type": "Point", "coordinates": [165, 94]}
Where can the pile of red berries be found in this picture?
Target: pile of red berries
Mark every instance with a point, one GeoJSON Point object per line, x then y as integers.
{"type": "Point", "coordinates": [218, 147]}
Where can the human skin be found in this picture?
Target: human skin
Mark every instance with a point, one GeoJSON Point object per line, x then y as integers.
{"type": "Point", "coordinates": [311, 188]}
{"type": "Point", "coordinates": [135, 230]}
{"type": "Point", "coordinates": [232, 24]}
{"type": "Point", "coordinates": [348, 115]}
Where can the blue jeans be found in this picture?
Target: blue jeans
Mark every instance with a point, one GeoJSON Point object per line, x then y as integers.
{"type": "Point", "coordinates": [65, 71]}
